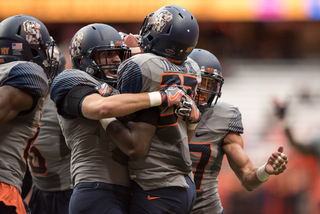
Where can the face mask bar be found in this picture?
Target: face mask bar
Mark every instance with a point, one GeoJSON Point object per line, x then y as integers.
{"type": "Point", "coordinates": [209, 90]}
{"type": "Point", "coordinates": [97, 68]}
{"type": "Point", "coordinates": [144, 27]}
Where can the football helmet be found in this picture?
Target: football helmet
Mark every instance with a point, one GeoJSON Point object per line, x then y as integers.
{"type": "Point", "coordinates": [26, 38]}
{"type": "Point", "coordinates": [97, 38]}
{"type": "Point", "coordinates": [209, 90]}
{"type": "Point", "coordinates": [171, 32]}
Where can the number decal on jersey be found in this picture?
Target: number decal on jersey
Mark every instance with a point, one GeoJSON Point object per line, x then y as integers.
{"type": "Point", "coordinates": [35, 156]}
{"type": "Point", "coordinates": [204, 150]}
{"type": "Point", "coordinates": [29, 144]}
{"type": "Point", "coordinates": [187, 81]}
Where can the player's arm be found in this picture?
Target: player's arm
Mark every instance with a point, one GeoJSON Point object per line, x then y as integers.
{"type": "Point", "coordinates": [134, 135]}
{"type": "Point", "coordinates": [97, 107]}
{"type": "Point", "coordinates": [12, 102]}
{"type": "Point", "coordinates": [250, 176]}
{"type": "Point", "coordinates": [94, 106]}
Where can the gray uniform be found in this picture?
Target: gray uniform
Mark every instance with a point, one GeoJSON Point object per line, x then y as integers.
{"type": "Point", "coordinates": [206, 153]}
{"type": "Point", "coordinates": [168, 158]}
{"type": "Point", "coordinates": [18, 135]}
{"type": "Point", "coordinates": [49, 159]}
{"type": "Point", "coordinates": [94, 158]}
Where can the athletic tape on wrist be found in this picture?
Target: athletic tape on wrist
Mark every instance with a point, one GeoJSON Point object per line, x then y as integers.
{"type": "Point", "coordinates": [106, 121]}
{"type": "Point", "coordinates": [261, 173]}
{"type": "Point", "coordinates": [155, 98]}
{"type": "Point", "coordinates": [192, 126]}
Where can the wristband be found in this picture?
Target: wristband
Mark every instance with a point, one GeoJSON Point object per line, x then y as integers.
{"type": "Point", "coordinates": [261, 173]}
{"type": "Point", "coordinates": [155, 98]}
{"type": "Point", "coordinates": [105, 122]}
{"type": "Point", "coordinates": [192, 126]}
{"type": "Point", "coordinates": [135, 50]}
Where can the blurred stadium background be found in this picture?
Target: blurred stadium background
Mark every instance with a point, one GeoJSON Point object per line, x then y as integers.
{"type": "Point", "coordinates": [268, 49]}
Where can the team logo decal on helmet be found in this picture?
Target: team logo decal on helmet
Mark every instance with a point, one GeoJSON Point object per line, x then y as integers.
{"type": "Point", "coordinates": [76, 44]}
{"type": "Point", "coordinates": [32, 28]}
{"type": "Point", "coordinates": [161, 20]}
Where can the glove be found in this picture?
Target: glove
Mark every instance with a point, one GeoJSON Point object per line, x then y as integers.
{"type": "Point", "coordinates": [105, 90]}
{"type": "Point", "coordinates": [188, 111]}
{"type": "Point", "coordinates": [172, 95]}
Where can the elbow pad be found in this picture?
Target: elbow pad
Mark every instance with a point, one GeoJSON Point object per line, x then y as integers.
{"type": "Point", "coordinates": [73, 100]}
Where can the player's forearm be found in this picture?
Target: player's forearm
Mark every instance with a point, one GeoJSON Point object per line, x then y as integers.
{"type": "Point", "coordinates": [96, 107]}
{"type": "Point", "coordinates": [250, 180]}
{"type": "Point", "coordinates": [132, 139]}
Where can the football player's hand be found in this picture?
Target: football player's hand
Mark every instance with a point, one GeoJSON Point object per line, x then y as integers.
{"type": "Point", "coordinates": [132, 42]}
{"type": "Point", "coordinates": [172, 95]}
{"type": "Point", "coordinates": [188, 111]}
{"type": "Point", "coordinates": [277, 162]}
{"type": "Point", "coordinates": [105, 90]}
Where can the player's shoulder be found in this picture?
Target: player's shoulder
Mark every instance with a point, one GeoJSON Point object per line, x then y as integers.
{"type": "Point", "coordinates": [23, 69]}
{"type": "Point", "coordinates": [226, 106]}
{"type": "Point", "coordinates": [69, 79]}
{"type": "Point", "coordinates": [224, 115]}
{"type": "Point", "coordinates": [26, 76]}
{"type": "Point", "coordinates": [222, 110]}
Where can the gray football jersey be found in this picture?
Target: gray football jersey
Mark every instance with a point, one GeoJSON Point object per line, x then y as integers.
{"type": "Point", "coordinates": [168, 159]}
{"type": "Point", "coordinates": [206, 153]}
{"type": "Point", "coordinates": [18, 135]}
{"type": "Point", "coordinates": [94, 158]}
{"type": "Point", "coordinates": [49, 159]}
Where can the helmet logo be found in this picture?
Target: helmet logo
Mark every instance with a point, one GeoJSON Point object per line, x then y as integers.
{"type": "Point", "coordinates": [209, 70]}
{"type": "Point", "coordinates": [160, 21]}
{"type": "Point", "coordinates": [170, 51]}
{"type": "Point", "coordinates": [118, 43]}
{"type": "Point", "coordinates": [76, 44]}
{"type": "Point", "coordinates": [32, 28]}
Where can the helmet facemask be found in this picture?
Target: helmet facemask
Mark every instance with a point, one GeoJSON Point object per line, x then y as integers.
{"type": "Point", "coordinates": [51, 64]}
{"type": "Point", "coordinates": [209, 90]}
{"type": "Point", "coordinates": [100, 67]}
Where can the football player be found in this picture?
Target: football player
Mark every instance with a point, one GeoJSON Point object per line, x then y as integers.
{"type": "Point", "coordinates": [26, 70]}
{"type": "Point", "coordinates": [218, 134]}
{"type": "Point", "coordinates": [162, 179]}
{"type": "Point", "coordinates": [82, 96]}
{"type": "Point", "coordinates": [49, 161]}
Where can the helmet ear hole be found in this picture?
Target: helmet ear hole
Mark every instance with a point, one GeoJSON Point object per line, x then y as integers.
{"type": "Point", "coordinates": [150, 37]}
{"type": "Point", "coordinates": [34, 52]}
{"type": "Point", "coordinates": [19, 30]}
{"type": "Point", "coordinates": [169, 29]}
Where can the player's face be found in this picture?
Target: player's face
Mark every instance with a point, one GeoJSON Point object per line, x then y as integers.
{"type": "Point", "coordinates": [108, 59]}
{"type": "Point", "coordinates": [206, 84]}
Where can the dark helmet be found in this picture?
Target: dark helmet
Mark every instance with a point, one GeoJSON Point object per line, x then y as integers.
{"type": "Point", "coordinates": [96, 38]}
{"type": "Point", "coordinates": [171, 32]}
{"type": "Point", "coordinates": [26, 38]}
{"type": "Point", "coordinates": [209, 90]}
